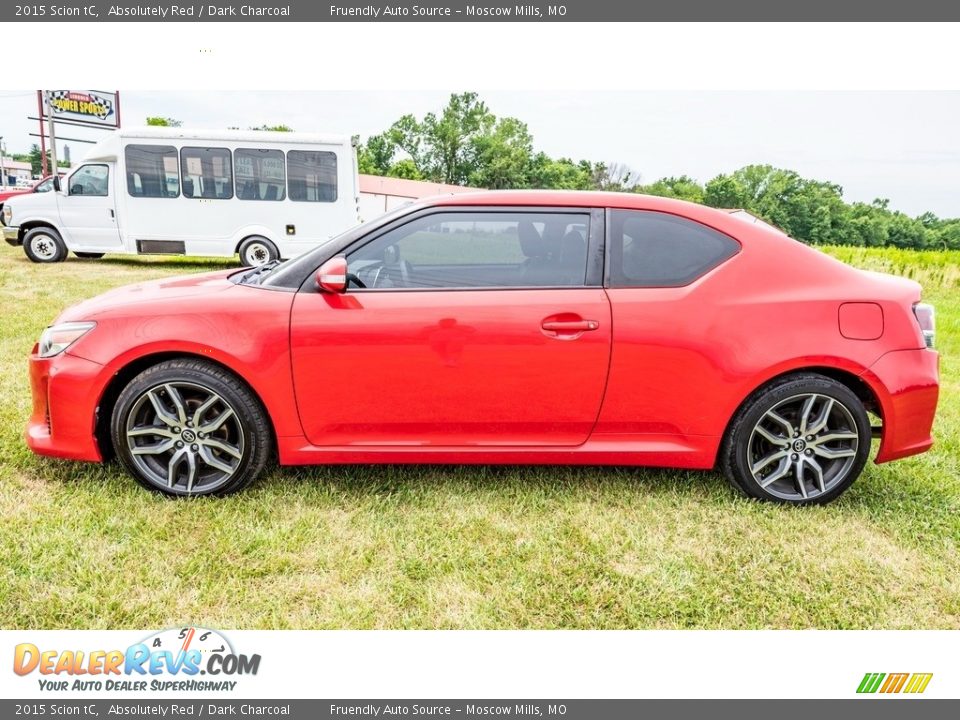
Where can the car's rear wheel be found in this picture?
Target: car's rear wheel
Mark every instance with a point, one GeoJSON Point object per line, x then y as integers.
{"type": "Point", "coordinates": [44, 245]}
{"type": "Point", "coordinates": [187, 427]}
{"type": "Point", "coordinates": [802, 440]}
{"type": "Point", "coordinates": [256, 251]}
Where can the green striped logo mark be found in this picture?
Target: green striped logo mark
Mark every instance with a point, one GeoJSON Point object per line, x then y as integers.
{"type": "Point", "coordinates": [871, 682]}
{"type": "Point", "coordinates": [914, 683]}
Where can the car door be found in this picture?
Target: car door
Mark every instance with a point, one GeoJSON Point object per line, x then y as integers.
{"type": "Point", "coordinates": [87, 213]}
{"type": "Point", "coordinates": [460, 327]}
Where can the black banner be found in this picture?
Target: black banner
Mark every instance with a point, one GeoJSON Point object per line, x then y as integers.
{"type": "Point", "coordinates": [483, 11]}
{"type": "Point", "coordinates": [853, 709]}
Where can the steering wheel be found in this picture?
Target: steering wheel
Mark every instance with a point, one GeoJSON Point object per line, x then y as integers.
{"type": "Point", "coordinates": [351, 278]}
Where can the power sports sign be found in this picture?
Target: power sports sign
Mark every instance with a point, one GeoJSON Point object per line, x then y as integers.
{"type": "Point", "coordinates": [91, 107]}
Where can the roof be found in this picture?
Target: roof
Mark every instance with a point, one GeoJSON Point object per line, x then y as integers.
{"type": "Point", "coordinates": [400, 187]}
{"type": "Point", "coordinates": [258, 136]}
{"type": "Point", "coordinates": [16, 165]}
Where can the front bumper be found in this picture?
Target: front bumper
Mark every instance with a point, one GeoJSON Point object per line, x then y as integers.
{"type": "Point", "coordinates": [66, 390]}
{"type": "Point", "coordinates": [907, 384]}
{"type": "Point", "coordinates": [11, 233]}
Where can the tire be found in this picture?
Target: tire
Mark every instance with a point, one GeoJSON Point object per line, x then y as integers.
{"type": "Point", "coordinates": [89, 256]}
{"type": "Point", "coordinates": [802, 440]}
{"type": "Point", "coordinates": [218, 444]}
{"type": "Point", "coordinates": [44, 245]}
{"type": "Point", "coordinates": [256, 251]}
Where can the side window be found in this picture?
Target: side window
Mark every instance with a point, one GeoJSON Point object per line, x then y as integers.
{"type": "Point", "coordinates": [152, 171]}
{"type": "Point", "coordinates": [652, 249]}
{"type": "Point", "coordinates": [260, 174]}
{"type": "Point", "coordinates": [206, 173]}
{"type": "Point", "coordinates": [90, 180]}
{"type": "Point", "coordinates": [476, 250]}
{"type": "Point", "coordinates": [312, 176]}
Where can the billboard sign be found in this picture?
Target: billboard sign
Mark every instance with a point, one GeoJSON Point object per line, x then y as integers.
{"type": "Point", "coordinates": [92, 107]}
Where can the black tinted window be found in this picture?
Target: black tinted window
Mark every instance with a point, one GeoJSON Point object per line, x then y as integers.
{"type": "Point", "coordinates": [651, 249]}
{"type": "Point", "coordinates": [312, 175]}
{"type": "Point", "coordinates": [260, 174]}
{"type": "Point", "coordinates": [477, 249]}
{"type": "Point", "coordinates": [152, 171]}
{"type": "Point", "coordinates": [206, 173]}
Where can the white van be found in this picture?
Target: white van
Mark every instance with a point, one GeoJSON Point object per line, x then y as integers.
{"type": "Point", "coordinates": [264, 195]}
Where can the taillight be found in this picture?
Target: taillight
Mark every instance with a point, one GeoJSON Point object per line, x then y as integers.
{"type": "Point", "coordinates": [926, 318]}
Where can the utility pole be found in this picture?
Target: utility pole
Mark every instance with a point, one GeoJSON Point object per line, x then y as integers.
{"type": "Point", "coordinates": [3, 170]}
{"type": "Point", "coordinates": [53, 138]}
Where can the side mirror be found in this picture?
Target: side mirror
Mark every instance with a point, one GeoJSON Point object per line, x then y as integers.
{"type": "Point", "coordinates": [332, 275]}
{"type": "Point", "coordinates": [56, 183]}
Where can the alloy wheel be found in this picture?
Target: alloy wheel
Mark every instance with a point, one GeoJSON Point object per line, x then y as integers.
{"type": "Point", "coordinates": [184, 438]}
{"type": "Point", "coordinates": [803, 447]}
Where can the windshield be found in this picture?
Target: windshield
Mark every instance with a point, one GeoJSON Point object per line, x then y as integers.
{"type": "Point", "coordinates": [291, 273]}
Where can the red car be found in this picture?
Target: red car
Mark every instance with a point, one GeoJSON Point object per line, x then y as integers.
{"type": "Point", "coordinates": [503, 327]}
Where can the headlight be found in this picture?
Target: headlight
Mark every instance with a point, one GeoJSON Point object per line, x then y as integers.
{"type": "Point", "coordinates": [7, 214]}
{"type": "Point", "coordinates": [57, 338]}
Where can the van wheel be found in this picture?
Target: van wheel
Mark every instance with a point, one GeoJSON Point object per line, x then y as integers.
{"type": "Point", "coordinates": [256, 251]}
{"type": "Point", "coordinates": [44, 245]}
{"type": "Point", "coordinates": [89, 256]}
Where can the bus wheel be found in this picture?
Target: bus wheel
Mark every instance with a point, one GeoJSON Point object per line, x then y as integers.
{"type": "Point", "coordinates": [258, 250]}
{"type": "Point", "coordinates": [44, 245]}
{"type": "Point", "coordinates": [89, 256]}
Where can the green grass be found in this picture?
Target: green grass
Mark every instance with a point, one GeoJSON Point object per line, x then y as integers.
{"type": "Point", "coordinates": [82, 546]}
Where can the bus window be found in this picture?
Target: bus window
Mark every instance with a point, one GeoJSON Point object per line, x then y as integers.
{"type": "Point", "coordinates": [152, 171]}
{"type": "Point", "coordinates": [206, 173]}
{"type": "Point", "coordinates": [312, 175]}
{"type": "Point", "coordinates": [260, 174]}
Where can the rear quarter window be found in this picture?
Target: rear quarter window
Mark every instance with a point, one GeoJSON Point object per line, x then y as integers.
{"type": "Point", "coordinates": [652, 249]}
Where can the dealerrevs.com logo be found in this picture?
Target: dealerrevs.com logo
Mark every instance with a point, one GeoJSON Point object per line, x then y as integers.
{"type": "Point", "coordinates": [910, 683]}
{"type": "Point", "coordinates": [180, 659]}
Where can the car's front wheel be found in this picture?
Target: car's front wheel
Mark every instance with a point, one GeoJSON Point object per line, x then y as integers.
{"type": "Point", "coordinates": [188, 427]}
{"type": "Point", "coordinates": [802, 440]}
{"type": "Point", "coordinates": [44, 245]}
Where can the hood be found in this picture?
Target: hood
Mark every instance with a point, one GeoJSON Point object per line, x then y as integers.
{"type": "Point", "coordinates": [154, 291]}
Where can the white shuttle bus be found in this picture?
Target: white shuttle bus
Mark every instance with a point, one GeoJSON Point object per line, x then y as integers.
{"type": "Point", "coordinates": [262, 195]}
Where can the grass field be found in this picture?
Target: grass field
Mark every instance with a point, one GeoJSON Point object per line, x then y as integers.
{"type": "Point", "coordinates": [82, 546]}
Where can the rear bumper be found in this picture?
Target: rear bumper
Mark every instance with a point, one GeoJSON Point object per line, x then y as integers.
{"type": "Point", "coordinates": [907, 383]}
{"type": "Point", "coordinates": [11, 233]}
{"type": "Point", "coordinates": [66, 390]}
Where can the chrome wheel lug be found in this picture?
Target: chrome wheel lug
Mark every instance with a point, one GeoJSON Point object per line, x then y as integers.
{"type": "Point", "coordinates": [194, 447]}
{"type": "Point", "coordinates": [179, 444]}
{"type": "Point", "coordinates": [794, 456]}
{"type": "Point", "coordinates": [176, 430]}
{"type": "Point", "coordinates": [808, 452]}
{"type": "Point", "coordinates": [809, 438]}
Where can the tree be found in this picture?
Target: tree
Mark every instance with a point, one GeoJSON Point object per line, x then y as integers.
{"type": "Point", "coordinates": [375, 157]}
{"type": "Point", "coordinates": [502, 155]}
{"type": "Point", "coordinates": [273, 128]}
{"type": "Point", "coordinates": [682, 188]}
{"type": "Point", "coordinates": [157, 121]}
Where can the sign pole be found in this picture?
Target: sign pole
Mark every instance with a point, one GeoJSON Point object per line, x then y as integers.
{"type": "Point", "coordinates": [3, 170]}
{"type": "Point", "coordinates": [43, 141]}
{"type": "Point", "coordinates": [53, 138]}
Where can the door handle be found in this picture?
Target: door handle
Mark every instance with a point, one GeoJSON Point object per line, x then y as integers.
{"type": "Point", "coordinates": [569, 326]}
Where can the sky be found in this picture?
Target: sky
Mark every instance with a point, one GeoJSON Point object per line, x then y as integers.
{"type": "Point", "coordinates": [903, 146]}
